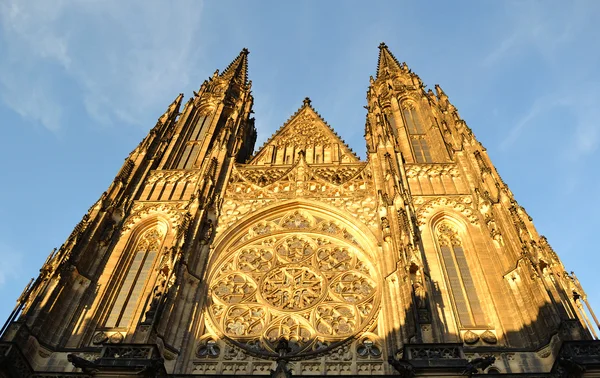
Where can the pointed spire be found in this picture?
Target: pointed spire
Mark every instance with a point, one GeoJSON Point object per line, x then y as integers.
{"type": "Point", "coordinates": [239, 67]}
{"type": "Point", "coordinates": [387, 60]}
{"type": "Point", "coordinates": [173, 108]}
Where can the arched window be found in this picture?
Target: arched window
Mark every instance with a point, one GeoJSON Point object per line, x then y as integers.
{"type": "Point", "coordinates": [416, 133]}
{"type": "Point", "coordinates": [144, 254]}
{"type": "Point", "coordinates": [189, 151]}
{"type": "Point", "coordinates": [411, 118]}
{"type": "Point", "coordinates": [459, 276]}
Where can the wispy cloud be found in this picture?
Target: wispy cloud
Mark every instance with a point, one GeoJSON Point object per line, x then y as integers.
{"type": "Point", "coordinates": [580, 113]}
{"type": "Point", "coordinates": [12, 263]}
{"type": "Point", "coordinates": [534, 28]}
{"type": "Point", "coordinates": [502, 49]}
{"type": "Point", "coordinates": [534, 25]}
{"type": "Point", "coordinates": [123, 65]}
{"type": "Point", "coordinates": [584, 133]}
{"type": "Point", "coordinates": [536, 108]}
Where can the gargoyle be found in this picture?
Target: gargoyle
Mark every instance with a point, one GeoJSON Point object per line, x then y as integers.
{"type": "Point", "coordinates": [478, 365]}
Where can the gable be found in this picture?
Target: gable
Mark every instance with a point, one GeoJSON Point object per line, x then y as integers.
{"type": "Point", "coordinates": [305, 132]}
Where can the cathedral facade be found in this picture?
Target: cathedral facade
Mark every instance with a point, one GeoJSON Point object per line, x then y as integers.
{"type": "Point", "coordinates": [204, 257]}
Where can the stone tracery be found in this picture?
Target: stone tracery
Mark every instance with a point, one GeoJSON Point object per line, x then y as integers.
{"type": "Point", "coordinates": [300, 279]}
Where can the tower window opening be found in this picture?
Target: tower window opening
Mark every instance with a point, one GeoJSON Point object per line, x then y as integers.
{"type": "Point", "coordinates": [460, 280]}
{"type": "Point", "coordinates": [411, 119]}
{"type": "Point", "coordinates": [421, 150]}
{"type": "Point", "coordinates": [135, 279]}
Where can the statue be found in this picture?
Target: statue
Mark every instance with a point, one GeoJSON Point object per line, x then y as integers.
{"type": "Point", "coordinates": [478, 365]}
{"type": "Point", "coordinates": [405, 369]}
{"type": "Point", "coordinates": [420, 293]}
{"type": "Point", "coordinates": [207, 231]}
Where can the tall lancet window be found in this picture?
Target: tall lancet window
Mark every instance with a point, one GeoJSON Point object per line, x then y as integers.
{"type": "Point", "coordinates": [416, 133]}
{"type": "Point", "coordinates": [140, 265]}
{"type": "Point", "coordinates": [459, 276]}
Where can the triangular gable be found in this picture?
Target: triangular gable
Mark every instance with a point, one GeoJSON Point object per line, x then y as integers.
{"type": "Point", "coordinates": [306, 132]}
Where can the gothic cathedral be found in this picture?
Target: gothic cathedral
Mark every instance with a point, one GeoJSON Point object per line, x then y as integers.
{"type": "Point", "coordinates": [204, 257]}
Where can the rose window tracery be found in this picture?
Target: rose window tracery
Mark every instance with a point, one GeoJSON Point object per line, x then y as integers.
{"type": "Point", "coordinates": [314, 289]}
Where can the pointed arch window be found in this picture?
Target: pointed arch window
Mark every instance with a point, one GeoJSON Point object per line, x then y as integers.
{"type": "Point", "coordinates": [193, 141]}
{"type": "Point", "coordinates": [420, 149]}
{"type": "Point", "coordinates": [411, 118]}
{"type": "Point", "coordinates": [416, 133]}
{"type": "Point", "coordinates": [459, 276]}
{"type": "Point", "coordinates": [135, 278]}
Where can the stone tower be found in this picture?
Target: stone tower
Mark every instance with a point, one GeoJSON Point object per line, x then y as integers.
{"type": "Point", "coordinates": [300, 259]}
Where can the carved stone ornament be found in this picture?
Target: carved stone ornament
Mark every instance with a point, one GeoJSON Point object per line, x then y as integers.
{"type": "Point", "coordinates": [348, 188]}
{"type": "Point", "coordinates": [298, 220]}
{"type": "Point", "coordinates": [302, 131]}
{"type": "Point", "coordinates": [368, 349]}
{"type": "Point", "coordinates": [208, 348]}
{"type": "Point", "coordinates": [470, 337]}
{"type": "Point", "coordinates": [99, 338]}
{"type": "Point", "coordinates": [460, 204]}
{"type": "Point", "coordinates": [116, 338]}
{"type": "Point", "coordinates": [314, 290]}
{"type": "Point", "coordinates": [432, 170]}
{"type": "Point", "coordinates": [165, 176]}
{"type": "Point", "coordinates": [489, 337]}
{"type": "Point", "coordinates": [173, 212]}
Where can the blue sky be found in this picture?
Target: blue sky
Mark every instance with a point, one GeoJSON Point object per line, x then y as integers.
{"type": "Point", "coordinates": [82, 82]}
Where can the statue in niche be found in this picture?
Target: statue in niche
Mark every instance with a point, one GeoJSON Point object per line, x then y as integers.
{"type": "Point", "coordinates": [419, 290]}
{"type": "Point", "coordinates": [157, 294]}
{"type": "Point", "coordinates": [385, 227]}
{"type": "Point", "coordinates": [107, 233]}
{"type": "Point", "coordinates": [207, 232]}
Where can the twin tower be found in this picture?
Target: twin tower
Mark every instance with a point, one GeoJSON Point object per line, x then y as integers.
{"type": "Point", "coordinates": [204, 257]}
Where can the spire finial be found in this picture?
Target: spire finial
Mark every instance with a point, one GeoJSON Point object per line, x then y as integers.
{"type": "Point", "coordinates": [387, 61]}
{"type": "Point", "coordinates": [306, 101]}
{"type": "Point", "coordinates": [239, 67]}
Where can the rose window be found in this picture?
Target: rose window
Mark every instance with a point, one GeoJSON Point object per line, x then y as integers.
{"type": "Point", "coordinates": [314, 289]}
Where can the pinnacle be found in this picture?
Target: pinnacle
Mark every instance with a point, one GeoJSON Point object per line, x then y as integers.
{"type": "Point", "coordinates": [387, 61]}
{"type": "Point", "coordinates": [306, 101]}
{"type": "Point", "coordinates": [239, 67]}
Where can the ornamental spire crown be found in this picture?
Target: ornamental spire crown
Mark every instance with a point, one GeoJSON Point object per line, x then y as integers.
{"type": "Point", "coordinates": [387, 62]}
{"type": "Point", "coordinates": [238, 69]}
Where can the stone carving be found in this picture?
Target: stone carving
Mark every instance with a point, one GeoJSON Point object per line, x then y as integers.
{"type": "Point", "coordinates": [354, 195]}
{"type": "Point", "coordinates": [208, 349]}
{"type": "Point", "coordinates": [279, 182]}
{"type": "Point", "coordinates": [172, 176]}
{"type": "Point", "coordinates": [462, 204]}
{"type": "Point", "coordinates": [420, 292]}
{"type": "Point", "coordinates": [432, 170]}
{"type": "Point", "coordinates": [470, 337]}
{"type": "Point", "coordinates": [116, 338]}
{"type": "Point", "coordinates": [208, 229]}
{"type": "Point", "coordinates": [173, 212]}
{"type": "Point", "coordinates": [262, 176]}
{"type": "Point", "coordinates": [434, 352]}
{"type": "Point", "coordinates": [99, 338]}
{"type": "Point", "coordinates": [448, 235]}
{"type": "Point", "coordinates": [290, 288]}
{"type": "Point", "coordinates": [302, 132]}
{"type": "Point", "coordinates": [297, 220]}
{"type": "Point", "coordinates": [337, 175]}
{"type": "Point", "coordinates": [316, 292]}
{"type": "Point", "coordinates": [489, 337]}
{"type": "Point", "coordinates": [368, 349]}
